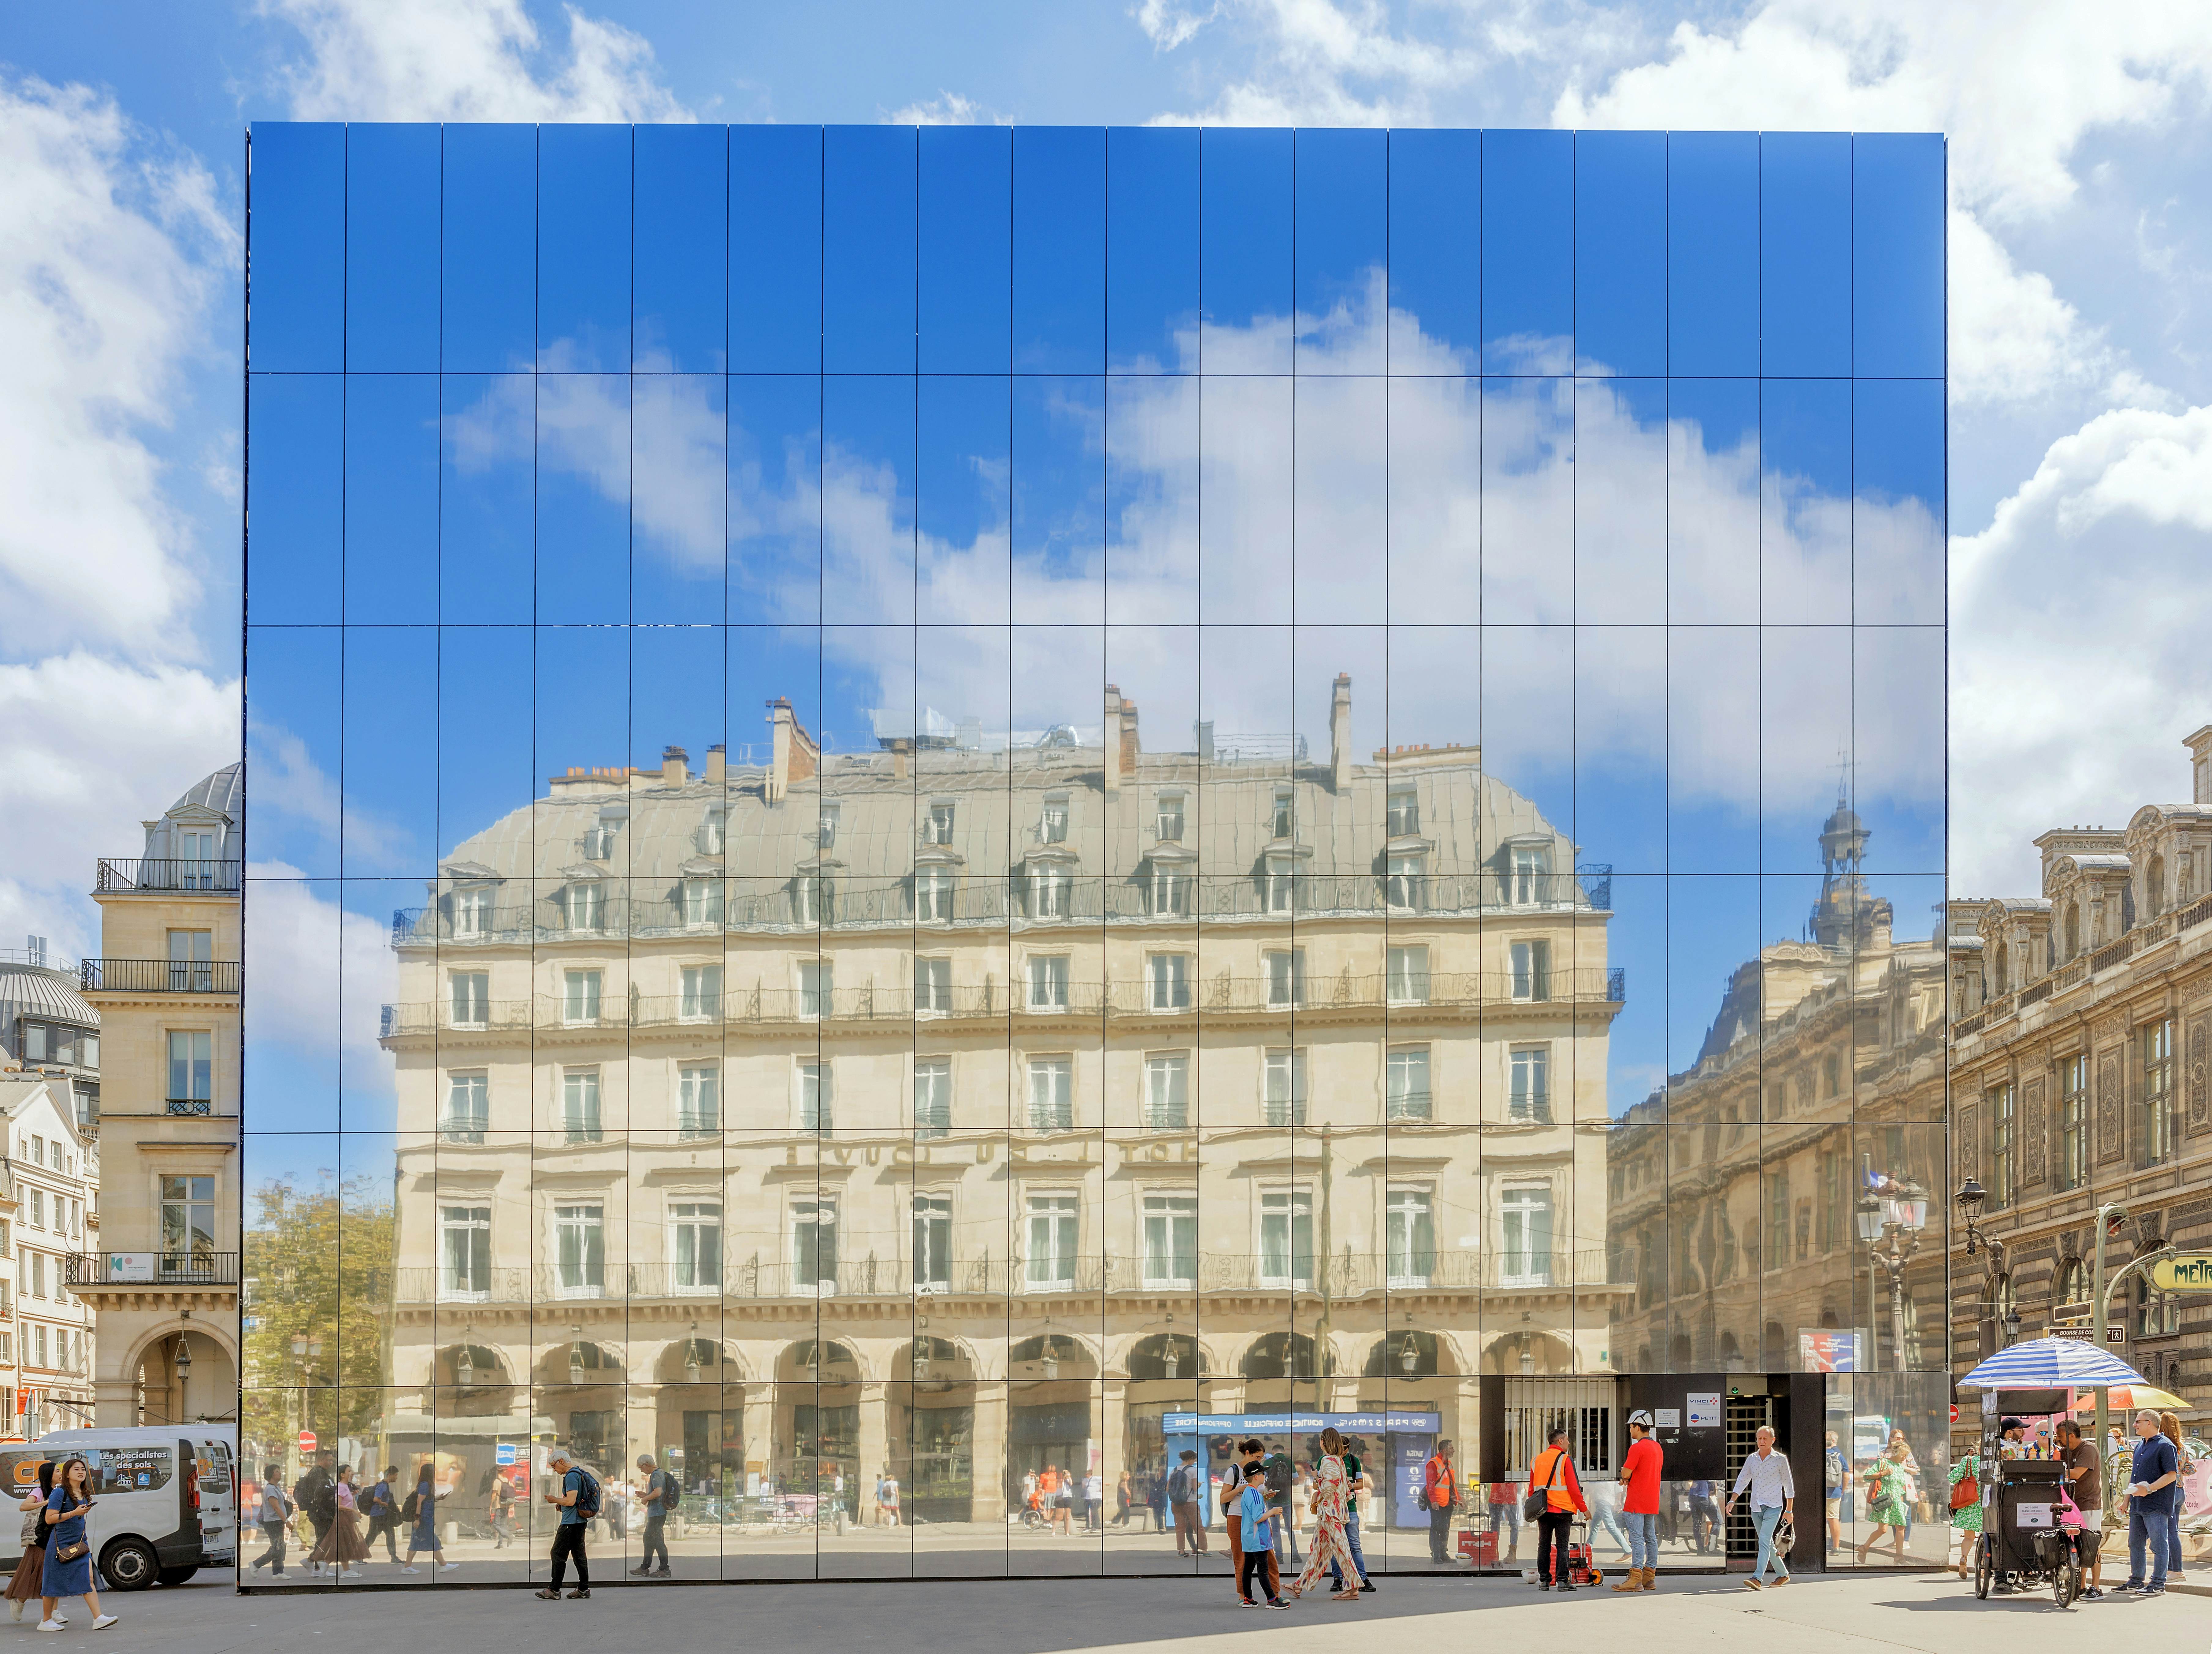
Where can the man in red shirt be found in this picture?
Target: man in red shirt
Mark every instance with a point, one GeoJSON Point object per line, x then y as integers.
{"type": "Point", "coordinates": [1639, 1505]}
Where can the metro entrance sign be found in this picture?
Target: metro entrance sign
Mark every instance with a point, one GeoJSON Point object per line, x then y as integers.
{"type": "Point", "coordinates": [2187, 1272]}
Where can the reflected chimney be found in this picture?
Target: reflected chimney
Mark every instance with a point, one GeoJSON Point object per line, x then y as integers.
{"type": "Point", "coordinates": [1340, 731]}
{"type": "Point", "coordinates": [1111, 740]}
{"type": "Point", "coordinates": [1130, 745]}
{"type": "Point", "coordinates": [793, 756]}
{"type": "Point", "coordinates": [901, 757]}
{"type": "Point", "coordinates": [675, 766]}
{"type": "Point", "coordinates": [717, 759]}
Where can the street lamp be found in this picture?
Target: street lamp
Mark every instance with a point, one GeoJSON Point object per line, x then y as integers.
{"type": "Point", "coordinates": [1171, 1357]}
{"type": "Point", "coordinates": [1049, 1360]}
{"type": "Point", "coordinates": [1900, 1216]}
{"type": "Point", "coordinates": [1409, 1356]}
{"type": "Point", "coordinates": [2011, 1323]}
{"type": "Point", "coordinates": [465, 1368]}
{"type": "Point", "coordinates": [691, 1356]}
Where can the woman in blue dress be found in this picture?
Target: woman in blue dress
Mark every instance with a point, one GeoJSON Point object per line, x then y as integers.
{"type": "Point", "coordinates": [69, 1549]}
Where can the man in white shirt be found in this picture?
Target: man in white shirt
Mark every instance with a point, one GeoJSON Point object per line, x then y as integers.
{"type": "Point", "coordinates": [1765, 1475]}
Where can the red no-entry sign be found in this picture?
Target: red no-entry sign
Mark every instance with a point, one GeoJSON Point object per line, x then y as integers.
{"type": "Point", "coordinates": [1955, 1415]}
{"type": "Point", "coordinates": [307, 1441]}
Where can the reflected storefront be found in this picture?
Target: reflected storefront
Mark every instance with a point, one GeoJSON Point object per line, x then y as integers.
{"type": "Point", "coordinates": [893, 965]}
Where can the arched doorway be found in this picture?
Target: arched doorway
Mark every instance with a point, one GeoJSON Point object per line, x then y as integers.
{"type": "Point", "coordinates": [1052, 1417]}
{"type": "Point", "coordinates": [699, 1416]}
{"type": "Point", "coordinates": [930, 1431]}
{"type": "Point", "coordinates": [184, 1377]}
{"type": "Point", "coordinates": [815, 1448]}
{"type": "Point", "coordinates": [582, 1391]}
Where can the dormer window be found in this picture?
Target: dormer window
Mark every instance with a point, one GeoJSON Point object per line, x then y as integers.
{"type": "Point", "coordinates": [581, 907]}
{"type": "Point", "coordinates": [1405, 815]}
{"type": "Point", "coordinates": [826, 827]}
{"type": "Point", "coordinates": [599, 842]}
{"type": "Point", "coordinates": [933, 895]}
{"type": "Point", "coordinates": [702, 901]}
{"type": "Point", "coordinates": [714, 830]}
{"type": "Point", "coordinates": [1530, 880]}
{"type": "Point", "coordinates": [1406, 886]}
{"type": "Point", "coordinates": [1052, 823]}
{"type": "Point", "coordinates": [1052, 892]}
{"type": "Point", "coordinates": [1171, 891]}
{"type": "Point", "coordinates": [937, 828]}
{"type": "Point", "coordinates": [1284, 813]}
{"type": "Point", "coordinates": [1167, 820]}
{"type": "Point", "coordinates": [813, 899]}
{"type": "Point", "coordinates": [473, 910]}
{"type": "Point", "coordinates": [1282, 883]}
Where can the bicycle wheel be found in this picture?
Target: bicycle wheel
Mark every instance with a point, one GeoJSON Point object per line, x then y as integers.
{"type": "Point", "coordinates": [2066, 1581]}
{"type": "Point", "coordinates": [1985, 1569]}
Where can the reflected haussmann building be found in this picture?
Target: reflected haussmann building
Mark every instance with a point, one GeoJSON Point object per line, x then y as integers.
{"type": "Point", "coordinates": [974, 806]}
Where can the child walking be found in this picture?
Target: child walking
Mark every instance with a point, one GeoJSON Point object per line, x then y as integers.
{"type": "Point", "coordinates": [1259, 1542]}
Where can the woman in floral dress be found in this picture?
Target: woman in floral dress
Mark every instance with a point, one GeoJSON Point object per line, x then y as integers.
{"type": "Point", "coordinates": [1327, 1497]}
{"type": "Point", "coordinates": [1889, 1493]}
{"type": "Point", "coordinates": [1966, 1519]}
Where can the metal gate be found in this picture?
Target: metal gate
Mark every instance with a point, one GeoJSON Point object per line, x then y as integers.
{"type": "Point", "coordinates": [1745, 1414]}
{"type": "Point", "coordinates": [1587, 1407]}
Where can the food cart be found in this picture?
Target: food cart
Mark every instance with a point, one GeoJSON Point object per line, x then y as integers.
{"type": "Point", "coordinates": [2027, 1534]}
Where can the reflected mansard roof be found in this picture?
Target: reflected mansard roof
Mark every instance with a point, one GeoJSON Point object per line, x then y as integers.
{"type": "Point", "coordinates": [1468, 819]}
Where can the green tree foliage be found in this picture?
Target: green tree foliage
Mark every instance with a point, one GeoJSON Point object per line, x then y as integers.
{"type": "Point", "coordinates": [318, 1271]}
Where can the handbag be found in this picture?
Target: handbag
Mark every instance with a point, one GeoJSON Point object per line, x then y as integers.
{"type": "Point", "coordinates": [31, 1520]}
{"type": "Point", "coordinates": [1966, 1491]}
{"type": "Point", "coordinates": [1538, 1500]}
{"type": "Point", "coordinates": [71, 1552]}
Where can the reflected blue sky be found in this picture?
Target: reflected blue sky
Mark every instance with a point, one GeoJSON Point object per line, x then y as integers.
{"type": "Point", "coordinates": [1571, 417]}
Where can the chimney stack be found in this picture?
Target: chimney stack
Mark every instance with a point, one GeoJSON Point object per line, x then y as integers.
{"type": "Point", "coordinates": [1340, 731]}
{"type": "Point", "coordinates": [1130, 745]}
{"type": "Point", "coordinates": [717, 762]}
{"type": "Point", "coordinates": [675, 766]}
{"type": "Point", "coordinates": [1110, 740]}
{"type": "Point", "coordinates": [2200, 764]}
{"type": "Point", "coordinates": [901, 757]}
{"type": "Point", "coordinates": [793, 754]}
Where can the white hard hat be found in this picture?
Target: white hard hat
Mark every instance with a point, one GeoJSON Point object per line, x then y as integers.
{"type": "Point", "coordinates": [1640, 1417]}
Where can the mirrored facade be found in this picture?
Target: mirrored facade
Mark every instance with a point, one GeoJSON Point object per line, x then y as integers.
{"type": "Point", "coordinates": [993, 805]}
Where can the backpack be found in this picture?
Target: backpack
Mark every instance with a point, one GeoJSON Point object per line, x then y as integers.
{"type": "Point", "coordinates": [412, 1510]}
{"type": "Point", "coordinates": [1279, 1478]}
{"type": "Point", "coordinates": [1179, 1486]}
{"type": "Point", "coordinates": [588, 1496]}
{"type": "Point", "coordinates": [671, 1493]}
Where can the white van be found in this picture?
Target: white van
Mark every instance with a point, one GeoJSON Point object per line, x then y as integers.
{"type": "Point", "coordinates": [168, 1499]}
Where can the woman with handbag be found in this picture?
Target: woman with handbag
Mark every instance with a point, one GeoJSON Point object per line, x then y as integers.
{"type": "Point", "coordinates": [68, 1550]}
{"type": "Point", "coordinates": [1555, 1495]}
{"type": "Point", "coordinates": [1889, 1489]}
{"type": "Point", "coordinates": [1966, 1507]}
{"type": "Point", "coordinates": [342, 1542]}
{"type": "Point", "coordinates": [1326, 1496]}
{"type": "Point", "coordinates": [30, 1572]}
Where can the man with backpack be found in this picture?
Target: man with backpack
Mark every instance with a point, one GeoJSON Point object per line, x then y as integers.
{"type": "Point", "coordinates": [1282, 1483]}
{"type": "Point", "coordinates": [1183, 1488]}
{"type": "Point", "coordinates": [660, 1493]}
{"type": "Point", "coordinates": [275, 1513]}
{"type": "Point", "coordinates": [383, 1506]}
{"type": "Point", "coordinates": [316, 1494]}
{"type": "Point", "coordinates": [576, 1494]}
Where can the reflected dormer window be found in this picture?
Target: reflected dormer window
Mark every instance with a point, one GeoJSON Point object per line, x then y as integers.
{"type": "Point", "coordinates": [472, 911]}
{"type": "Point", "coordinates": [1285, 816]}
{"type": "Point", "coordinates": [1051, 823]}
{"type": "Point", "coordinates": [1052, 892]}
{"type": "Point", "coordinates": [583, 910]}
{"type": "Point", "coordinates": [702, 901]}
{"type": "Point", "coordinates": [813, 899]}
{"type": "Point", "coordinates": [1282, 883]}
{"type": "Point", "coordinates": [1405, 887]}
{"type": "Point", "coordinates": [1167, 821]}
{"type": "Point", "coordinates": [1405, 815]}
{"type": "Point", "coordinates": [1171, 891]}
{"type": "Point", "coordinates": [937, 828]}
{"type": "Point", "coordinates": [933, 895]}
{"type": "Point", "coordinates": [1530, 881]}
{"type": "Point", "coordinates": [826, 826]}
{"type": "Point", "coordinates": [714, 830]}
{"type": "Point", "coordinates": [599, 842]}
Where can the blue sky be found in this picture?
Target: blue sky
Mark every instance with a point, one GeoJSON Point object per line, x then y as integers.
{"type": "Point", "coordinates": [2081, 485]}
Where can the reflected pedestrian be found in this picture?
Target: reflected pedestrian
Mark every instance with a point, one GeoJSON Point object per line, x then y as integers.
{"type": "Point", "coordinates": [29, 1578]}
{"type": "Point", "coordinates": [655, 1487]}
{"type": "Point", "coordinates": [276, 1517]}
{"type": "Point", "coordinates": [424, 1515]}
{"type": "Point", "coordinates": [383, 1508]}
{"type": "Point", "coordinates": [341, 1544]}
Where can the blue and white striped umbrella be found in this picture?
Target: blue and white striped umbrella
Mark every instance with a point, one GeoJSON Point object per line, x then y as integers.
{"type": "Point", "coordinates": [2051, 1364]}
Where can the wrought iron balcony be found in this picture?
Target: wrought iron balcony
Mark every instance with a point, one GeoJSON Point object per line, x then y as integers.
{"type": "Point", "coordinates": [160, 975]}
{"type": "Point", "coordinates": [83, 1270]}
{"type": "Point", "coordinates": [166, 875]}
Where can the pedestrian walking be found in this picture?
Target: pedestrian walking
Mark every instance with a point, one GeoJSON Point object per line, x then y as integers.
{"type": "Point", "coordinates": [1551, 1478]}
{"type": "Point", "coordinates": [382, 1505]}
{"type": "Point", "coordinates": [1835, 1477]}
{"type": "Point", "coordinates": [1966, 1507]}
{"type": "Point", "coordinates": [1505, 1511]}
{"type": "Point", "coordinates": [2153, 1478]}
{"type": "Point", "coordinates": [1250, 1455]}
{"type": "Point", "coordinates": [2085, 1472]}
{"type": "Point", "coordinates": [1355, 1484]}
{"type": "Point", "coordinates": [1182, 1497]}
{"type": "Point", "coordinates": [1123, 1496]}
{"type": "Point", "coordinates": [275, 1516]}
{"type": "Point", "coordinates": [29, 1582]}
{"type": "Point", "coordinates": [1257, 1512]}
{"type": "Point", "coordinates": [1889, 1496]}
{"type": "Point", "coordinates": [500, 1511]}
{"type": "Point", "coordinates": [1438, 1491]}
{"type": "Point", "coordinates": [1704, 1516]}
{"type": "Point", "coordinates": [656, 1489]}
{"type": "Point", "coordinates": [1605, 1517]}
{"type": "Point", "coordinates": [1773, 1493]}
{"type": "Point", "coordinates": [2169, 1425]}
{"type": "Point", "coordinates": [341, 1547]}
{"type": "Point", "coordinates": [1642, 1469]}
{"type": "Point", "coordinates": [576, 1494]}
{"type": "Point", "coordinates": [1094, 1502]}
{"type": "Point", "coordinates": [1282, 1494]}
{"type": "Point", "coordinates": [312, 1493]}
{"type": "Point", "coordinates": [422, 1510]}
{"type": "Point", "coordinates": [69, 1553]}
{"type": "Point", "coordinates": [1327, 1498]}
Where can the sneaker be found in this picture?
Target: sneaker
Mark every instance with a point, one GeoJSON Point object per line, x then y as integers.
{"type": "Point", "coordinates": [2154, 1590]}
{"type": "Point", "coordinates": [548, 1594]}
{"type": "Point", "coordinates": [106, 1621]}
{"type": "Point", "coordinates": [1246, 1601]}
{"type": "Point", "coordinates": [1367, 1585]}
{"type": "Point", "coordinates": [1752, 1584]}
{"type": "Point", "coordinates": [448, 1567]}
{"type": "Point", "coordinates": [1278, 1602]}
{"type": "Point", "coordinates": [1780, 1581]}
{"type": "Point", "coordinates": [50, 1625]}
{"type": "Point", "coordinates": [642, 1570]}
{"type": "Point", "coordinates": [1566, 1584]}
{"type": "Point", "coordinates": [2091, 1593]}
{"type": "Point", "coordinates": [411, 1568]}
{"type": "Point", "coordinates": [579, 1595]}
{"type": "Point", "coordinates": [2132, 1585]}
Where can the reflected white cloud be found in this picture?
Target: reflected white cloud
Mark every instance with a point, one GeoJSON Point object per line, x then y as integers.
{"type": "Point", "coordinates": [315, 961]}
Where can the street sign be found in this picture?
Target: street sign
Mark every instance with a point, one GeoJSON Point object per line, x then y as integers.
{"type": "Point", "coordinates": [1954, 1414]}
{"type": "Point", "coordinates": [2190, 1272]}
{"type": "Point", "coordinates": [2071, 1311]}
{"type": "Point", "coordinates": [2116, 1335]}
{"type": "Point", "coordinates": [307, 1441]}
{"type": "Point", "coordinates": [2082, 1332]}
{"type": "Point", "coordinates": [504, 1453]}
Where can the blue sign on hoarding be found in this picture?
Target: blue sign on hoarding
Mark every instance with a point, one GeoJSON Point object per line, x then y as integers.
{"type": "Point", "coordinates": [506, 1452]}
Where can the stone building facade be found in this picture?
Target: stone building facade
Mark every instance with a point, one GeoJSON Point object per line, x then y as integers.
{"type": "Point", "coordinates": [2079, 1071]}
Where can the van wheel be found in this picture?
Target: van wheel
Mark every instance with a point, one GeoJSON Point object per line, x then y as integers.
{"type": "Point", "coordinates": [129, 1565]}
{"type": "Point", "coordinates": [177, 1576]}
